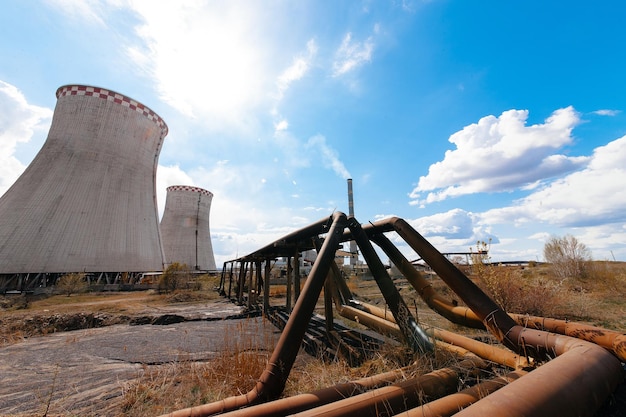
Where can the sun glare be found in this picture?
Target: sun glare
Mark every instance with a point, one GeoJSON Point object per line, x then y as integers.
{"type": "Point", "coordinates": [207, 62]}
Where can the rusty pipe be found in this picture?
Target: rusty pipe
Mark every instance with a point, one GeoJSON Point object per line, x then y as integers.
{"type": "Point", "coordinates": [397, 397]}
{"type": "Point", "coordinates": [456, 314]}
{"type": "Point", "coordinates": [486, 351]}
{"type": "Point", "coordinates": [371, 321]}
{"type": "Point", "coordinates": [412, 333]}
{"type": "Point", "coordinates": [494, 318]}
{"type": "Point", "coordinates": [272, 381]}
{"type": "Point", "coordinates": [614, 341]}
{"type": "Point", "coordinates": [608, 339]}
{"type": "Point", "coordinates": [600, 373]}
{"type": "Point", "coordinates": [576, 383]}
{"type": "Point", "coordinates": [453, 403]}
{"type": "Point", "coordinates": [301, 402]}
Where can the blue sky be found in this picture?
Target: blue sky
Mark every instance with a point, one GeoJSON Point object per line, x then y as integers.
{"type": "Point", "coordinates": [475, 121]}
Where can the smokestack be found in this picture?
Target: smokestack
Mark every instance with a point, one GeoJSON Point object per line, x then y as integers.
{"type": "Point", "coordinates": [353, 248]}
{"type": "Point", "coordinates": [185, 227]}
{"type": "Point", "coordinates": [87, 202]}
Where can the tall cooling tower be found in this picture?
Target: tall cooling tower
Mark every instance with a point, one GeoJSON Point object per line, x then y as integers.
{"type": "Point", "coordinates": [185, 227]}
{"type": "Point", "coordinates": [87, 202]}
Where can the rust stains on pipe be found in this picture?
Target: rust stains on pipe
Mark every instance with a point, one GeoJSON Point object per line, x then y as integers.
{"type": "Point", "coordinates": [608, 339]}
{"type": "Point", "coordinates": [486, 351]}
{"type": "Point", "coordinates": [456, 314]}
{"type": "Point", "coordinates": [453, 403]}
{"type": "Point", "coordinates": [574, 384]}
{"type": "Point", "coordinates": [301, 402]}
{"type": "Point", "coordinates": [272, 381]}
{"type": "Point", "coordinates": [397, 397]}
{"type": "Point", "coordinates": [378, 324]}
{"type": "Point", "coordinates": [412, 333]}
{"type": "Point", "coordinates": [596, 371]}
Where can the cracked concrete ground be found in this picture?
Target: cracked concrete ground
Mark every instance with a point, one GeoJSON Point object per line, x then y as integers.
{"type": "Point", "coordinates": [84, 372]}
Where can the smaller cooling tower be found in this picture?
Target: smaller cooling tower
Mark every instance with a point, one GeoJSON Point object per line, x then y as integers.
{"type": "Point", "coordinates": [185, 231]}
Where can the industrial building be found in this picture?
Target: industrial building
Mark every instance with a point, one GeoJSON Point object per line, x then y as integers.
{"type": "Point", "coordinates": [87, 202]}
{"type": "Point", "coordinates": [185, 228]}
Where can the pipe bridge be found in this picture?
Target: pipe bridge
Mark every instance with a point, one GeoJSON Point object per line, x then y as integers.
{"type": "Point", "coordinates": [553, 367]}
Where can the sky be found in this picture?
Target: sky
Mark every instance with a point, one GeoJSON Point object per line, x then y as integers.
{"type": "Point", "coordinates": [494, 121]}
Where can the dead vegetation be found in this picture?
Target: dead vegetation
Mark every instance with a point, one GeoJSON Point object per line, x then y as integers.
{"type": "Point", "coordinates": [596, 298]}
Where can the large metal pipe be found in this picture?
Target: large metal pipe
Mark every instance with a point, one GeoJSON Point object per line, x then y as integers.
{"type": "Point", "coordinates": [301, 402]}
{"type": "Point", "coordinates": [494, 318]}
{"type": "Point", "coordinates": [608, 339]}
{"type": "Point", "coordinates": [614, 341]}
{"type": "Point", "coordinates": [484, 350]}
{"type": "Point", "coordinates": [272, 381]}
{"type": "Point", "coordinates": [397, 397]}
{"type": "Point", "coordinates": [456, 314]}
{"type": "Point", "coordinates": [453, 403]}
{"type": "Point", "coordinates": [412, 333]}
{"type": "Point", "coordinates": [576, 383]}
{"type": "Point", "coordinates": [594, 369]}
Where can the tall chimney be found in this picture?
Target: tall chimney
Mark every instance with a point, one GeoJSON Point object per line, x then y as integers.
{"type": "Point", "coordinates": [353, 255]}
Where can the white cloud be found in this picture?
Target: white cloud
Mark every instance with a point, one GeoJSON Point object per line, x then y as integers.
{"type": "Point", "coordinates": [594, 195]}
{"type": "Point", "coordinates": [454, 225]}
{"type": "Point", "coordinates": [19, 121]}
{"type": "Point", "coordinates": [282, 125]}
{"type": "Point", "coordinates": [330, 156]}
{"type": "Point", "coordinates": [591, 196]}
{"type": "Point", "coordinates": [352, 55]}
{"type": "Point", "coordinates": [83, 10]}
{"type": "Point", "coordinates": [299, 67]}
{"type": "Point", "coordinates": [606, 112]}
{"type": "Point", "coordinates": [501, 154]}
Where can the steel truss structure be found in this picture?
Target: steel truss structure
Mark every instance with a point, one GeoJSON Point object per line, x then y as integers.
{"type": "Point", "coordinates": [555, 367]}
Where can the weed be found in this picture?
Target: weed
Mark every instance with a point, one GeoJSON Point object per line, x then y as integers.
{"type": "Point", "coordinates": [243, 356]}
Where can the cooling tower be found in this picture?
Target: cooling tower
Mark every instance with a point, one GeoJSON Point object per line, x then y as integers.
{"type": "Point", "coordinates": [185, 227]}
{"type": "Point", "coordinates": [87, 202]}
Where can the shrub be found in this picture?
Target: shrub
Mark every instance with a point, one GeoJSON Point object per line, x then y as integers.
{"type": "Point", "coordinates": [569, 257]}
{"type": "Point", "coordinates": [515, 293]}
{"type": "Point", "coordinates": [176, 276]}
{"type": "Point", "coordinates": [72, 283]}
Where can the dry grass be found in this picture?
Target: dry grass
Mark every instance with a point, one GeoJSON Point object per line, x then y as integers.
{"type": "Point", "coordinates": [185, 383]}
{"type": "Point", "coordinates": [598, 299]}
{"type": "Point", "coordinates": [162, 389]}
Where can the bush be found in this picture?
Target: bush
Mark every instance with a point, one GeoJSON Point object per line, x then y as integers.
{"type": "Point", "coordinates": [515, 293]}
{"type": "Point", "coordinates": [569, 258]}
{"type": "Point", "coordinates": [175, 277]}
{"type": "Point", "coordinates": [72, 283]}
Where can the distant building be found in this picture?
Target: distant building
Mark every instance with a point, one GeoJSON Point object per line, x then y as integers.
{"type": "Point", "coordinates": [87, 202]}
{"type": "Point", "coordinates": [185, 228]}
